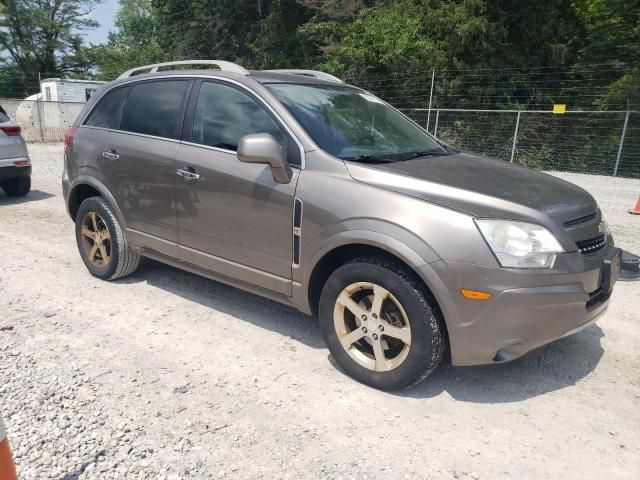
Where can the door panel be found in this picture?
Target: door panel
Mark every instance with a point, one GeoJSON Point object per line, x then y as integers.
{"type": "Point", "coordinates": [237, 212]}
{"type": "Point", "coordinates": [139, 161]}
{"type": "Point", "coordinates": [142, 181]}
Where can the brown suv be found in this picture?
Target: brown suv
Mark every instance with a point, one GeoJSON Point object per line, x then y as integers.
{"type": "Point", "coordinates": [316, 194]}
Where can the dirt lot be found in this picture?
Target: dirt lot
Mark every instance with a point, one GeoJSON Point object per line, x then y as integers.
{"type": "Point", "coordinates": [168, 375]}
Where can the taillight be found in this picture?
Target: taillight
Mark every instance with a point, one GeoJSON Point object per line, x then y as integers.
{"type": "Point", "coordinates": [69, 136]}
{"type": "Point", "coordinates": [11, 130]}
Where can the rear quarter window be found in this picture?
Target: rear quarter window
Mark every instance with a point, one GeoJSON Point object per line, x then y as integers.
{"type": "Point", "coordinates": [154, 108]}
{"type": "Point", "coordinates": [104, 114]}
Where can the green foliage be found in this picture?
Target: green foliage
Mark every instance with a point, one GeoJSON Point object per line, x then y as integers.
{"type": "Point", "coordinates": [486, 53]}
{"type": "Point", "coordinates": [137, 41]}
{"type": "Point", "coordinates": [41, 36]}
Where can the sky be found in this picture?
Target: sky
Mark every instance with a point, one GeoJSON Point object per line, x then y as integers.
{"type": "Point", "coordinates": [105, 15]}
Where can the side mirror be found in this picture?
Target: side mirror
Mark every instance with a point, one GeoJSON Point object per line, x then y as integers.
{"type": "Point", "coordinates": [263, 148]}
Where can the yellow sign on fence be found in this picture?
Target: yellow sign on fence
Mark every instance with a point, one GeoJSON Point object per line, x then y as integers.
{"type": "Point", "coordinates": [559, 108]}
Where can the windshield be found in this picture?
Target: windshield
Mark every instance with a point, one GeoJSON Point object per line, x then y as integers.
{"type": "Point", "coordinates": [354, 125]}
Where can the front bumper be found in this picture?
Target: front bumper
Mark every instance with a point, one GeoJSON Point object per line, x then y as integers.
{"type": "Point", "coordinates": [529, 308]}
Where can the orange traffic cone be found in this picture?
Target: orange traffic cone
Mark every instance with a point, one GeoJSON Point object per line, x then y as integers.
{"type": "Point", "coordinates": [7, 469]}
{"type": "Point", "coordinates": [636, 211]}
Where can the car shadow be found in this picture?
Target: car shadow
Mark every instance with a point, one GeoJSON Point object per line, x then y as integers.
{"type": "Point", "coordinates": [558, 365]}
{"type": "Point", "coordinates": [232, 301]}
{"type": "Point", "coordinates": [32, 196]}
{"type": "Point", "coordinates": [553, 367]}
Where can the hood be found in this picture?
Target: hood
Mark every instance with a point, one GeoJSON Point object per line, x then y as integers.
{"type": "Point", "coordinates": [481, 186]}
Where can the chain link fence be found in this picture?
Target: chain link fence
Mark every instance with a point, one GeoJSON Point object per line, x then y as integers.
{"type": "Point", "coordinates": [594, 142]}
{"type": "Point", "coordinates": [42, 121]}
{"type": "Point", "coordinates": [599, 143]}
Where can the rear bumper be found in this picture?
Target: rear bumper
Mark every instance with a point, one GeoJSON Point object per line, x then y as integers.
{"type": "Point", "coordinates": [8, 168]}
{"type": "Point", "coordinates": [528, 308]}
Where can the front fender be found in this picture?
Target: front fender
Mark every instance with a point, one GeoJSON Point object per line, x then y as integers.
{"type": "Point", "coordinates": [388, 237]}
{"type": "Point", "coordinates": [407, 249]}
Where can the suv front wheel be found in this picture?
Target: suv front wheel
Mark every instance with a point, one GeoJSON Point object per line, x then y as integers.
{"type": "Point", "coordinates": [103, 247]}
{"type": "Point", "coordinates": [380, 324]}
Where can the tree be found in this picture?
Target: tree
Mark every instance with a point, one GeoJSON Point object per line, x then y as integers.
{"type": "Point", "coordinates": [206, 29]}
{"type": "Point", "coordinates": [42, 36]}
{"type": "Point", "coordinates": [135, 42]}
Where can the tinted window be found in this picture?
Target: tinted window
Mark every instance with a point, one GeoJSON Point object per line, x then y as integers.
{"type": "Point", "coordinates": [353, 124]}
{"type": "Point", "coordinates": [104, 114]}
{"type": "Point", "coordinates": [224, 115]}
{"type": "Point", "coordinates": [153, 108]}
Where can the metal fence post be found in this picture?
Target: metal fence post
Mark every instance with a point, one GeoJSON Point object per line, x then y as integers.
{"type": "Point", "coordinates": [40, 122]}
{"type": "Point", "coordinates": [433, 76]}
{"type": "Point", "coordinates": [435, 129]}
{"type": "Point", "coordinates": [515, 136]}
{"type": "Point", "coordinates": [624, 131]}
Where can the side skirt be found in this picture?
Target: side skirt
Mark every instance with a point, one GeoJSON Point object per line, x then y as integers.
{"type": "Point", "coordinates": [152, 254]}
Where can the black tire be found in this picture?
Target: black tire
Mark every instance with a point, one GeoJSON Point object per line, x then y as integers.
{"type": "Point", "coordinates": [428, 333]}
{"type": "Point", "coordinates": [17, 187]}
{"type": "Point", "coordinates": [123, 259]}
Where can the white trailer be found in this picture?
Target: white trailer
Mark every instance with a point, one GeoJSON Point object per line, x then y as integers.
{"type": "Point", "coordinates": [47, 115]}
{"type": "Point", "coordinates": [67, 90]}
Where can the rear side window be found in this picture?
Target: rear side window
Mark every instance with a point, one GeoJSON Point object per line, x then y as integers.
{"type": "Point", "coordinates": [153, 108]}
{"type": "Point", "coordinates": [107, 109]}
{"type": "Point", "coordinates": [224, 115]}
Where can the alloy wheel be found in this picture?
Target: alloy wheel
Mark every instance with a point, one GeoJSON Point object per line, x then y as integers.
{"type": "Point", "coordinates": [96, 239]}
{"type": "Point", "coordinates": [372, 326]}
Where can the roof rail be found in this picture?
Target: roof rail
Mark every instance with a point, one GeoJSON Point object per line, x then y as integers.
{"type": "Point", "coordinates": [308, 73]}
{"type": "Point", "coordinates": [221, 64]}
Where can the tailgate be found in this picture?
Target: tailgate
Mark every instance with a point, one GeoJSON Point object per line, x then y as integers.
{"type": "Point", "coordinates": [11, 146]}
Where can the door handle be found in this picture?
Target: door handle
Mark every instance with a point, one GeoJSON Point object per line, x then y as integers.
{"type": "Point", "coordinates": [188, 175]}
{"type": "Point", "coordinates": [111, 156]}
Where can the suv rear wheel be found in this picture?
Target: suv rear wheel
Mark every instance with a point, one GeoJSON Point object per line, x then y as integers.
{"type": "Point", "coordinates": [17, 187]}
{"type": "Point", "coordinates": [101, 241]}
{"type": "Point", "coordinates": [381, 325]}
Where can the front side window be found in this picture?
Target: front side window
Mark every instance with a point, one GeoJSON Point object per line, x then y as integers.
{"type": "Point", "coordinates": [224, 115]}
{"type": "Point", "coordinates": [354, 125]}
{"type": "Point", "coordinates": [153, 108]}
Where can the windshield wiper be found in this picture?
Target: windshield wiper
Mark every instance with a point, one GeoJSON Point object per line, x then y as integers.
{"type": "Point", "coordinates": [368, 159]}
{"type": "Point", "coordinates": [422, 153]}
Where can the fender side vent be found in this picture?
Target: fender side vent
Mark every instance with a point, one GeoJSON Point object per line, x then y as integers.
{"type": "Point", "coordinates": [297, 213]}
{"type": "Point", "coordinates": [297, 231]}
{"type": "Point", "coordinates": [296, 250]}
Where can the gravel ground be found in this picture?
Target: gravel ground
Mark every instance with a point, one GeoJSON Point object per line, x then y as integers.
{"type": "Point", "coordinates": [168, 375]}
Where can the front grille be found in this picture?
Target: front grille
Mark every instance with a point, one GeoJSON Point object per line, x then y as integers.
{"type": "Point", "coordinates": [592, 245]}
{"type": "Point", "coordinates": [579, 220]}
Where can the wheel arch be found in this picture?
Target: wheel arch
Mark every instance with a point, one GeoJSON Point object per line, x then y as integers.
{"type": "Point", "coordinates": [373, 244]}
{"type": "Point", "coordinates": [84, 187]}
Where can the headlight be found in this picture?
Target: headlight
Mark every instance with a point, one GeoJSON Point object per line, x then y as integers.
{"type": "Point", "coordinates": [520, 244]}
